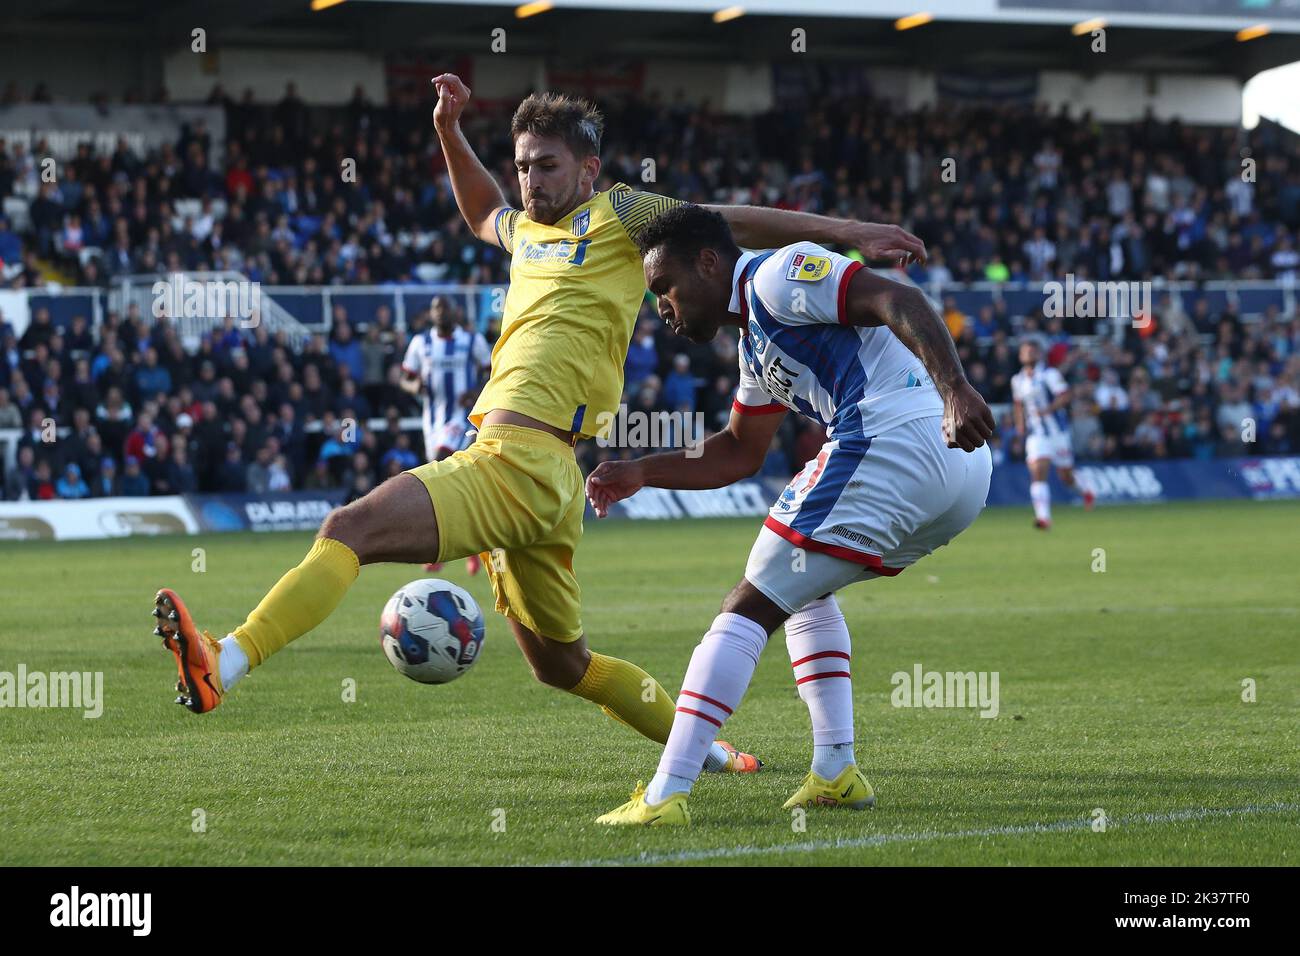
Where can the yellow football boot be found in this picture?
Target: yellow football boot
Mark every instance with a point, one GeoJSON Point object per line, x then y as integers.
{"type": "Point", "coordinates": [636, 812]}
{"type": "Point", "coordinates": [849, 789]}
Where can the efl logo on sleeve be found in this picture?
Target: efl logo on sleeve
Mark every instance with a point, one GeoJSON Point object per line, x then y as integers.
{"type": "Point", "coordinates": [804, 268]}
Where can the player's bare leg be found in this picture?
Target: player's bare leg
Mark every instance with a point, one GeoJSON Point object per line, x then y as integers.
{"type": "Point", "coordinates": [392, 523]}
{"type": "Point", "coordinates": [568, 666]}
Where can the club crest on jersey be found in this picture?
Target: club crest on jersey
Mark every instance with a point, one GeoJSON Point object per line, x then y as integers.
{"type": "Point", "coordinates": [804, 268]}
{"type": "Point", "coordinates": [758, 335]}
{"type": "Point", "coordinates": [581, 221]}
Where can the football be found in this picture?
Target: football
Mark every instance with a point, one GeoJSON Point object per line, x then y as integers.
{"type": "Point", "coordinates": [431, 631]}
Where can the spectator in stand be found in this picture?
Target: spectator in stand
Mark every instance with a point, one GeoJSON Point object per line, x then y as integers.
{"type": "Point", "coordinates": [642, 356]}
{"type": "Point", "coordinates": [401, 453]}
{"type": "Point", "coordinates": [954, 318]}
{"type": "Point", "coordinates": [134, 483]}
{"type": "Point", "coordinates": [145, 440]}
{"type": "Point", "coordinates": [41, 487]}
{"type": "Point", "coordinates": [346, 351]}
{"type": "Point", "coordinates": [231, 475]}
{"type": "Point", "coordinates": [680, 386]}
{"type": "Point", "coordinates": [19, 479]}
{"type": "Point", "coordinates": [106, 482]}
{"type": "Point", "coordinates": [179, 477]}
{"type": "Point", "coordinates": [71, 484]}
{"type": "Point", "coordinates": [151, 378]}
{"type": "Point", "coordinates": [320, 479]}
{"type": "Point", "coordinates": [10, 415]}
{"type": "Point", "coordinates": [257, 479]}
{"type": "Point", "coordinates": [279, 478]}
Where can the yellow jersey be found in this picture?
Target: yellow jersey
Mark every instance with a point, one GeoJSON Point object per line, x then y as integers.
{"type": "Point", "coordinates": [575, 291]}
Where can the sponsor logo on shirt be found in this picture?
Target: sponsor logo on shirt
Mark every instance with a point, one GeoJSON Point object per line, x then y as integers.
{"type": "Point", "coordinates": [566, 252]}
{"type": "Point", "coordinates": [779, 381]}
{"type": "Point", "coordinates": [805, 268]}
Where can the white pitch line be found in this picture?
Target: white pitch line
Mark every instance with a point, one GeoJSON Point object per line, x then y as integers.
{"type": "Point", "coordinates": [881, 839]}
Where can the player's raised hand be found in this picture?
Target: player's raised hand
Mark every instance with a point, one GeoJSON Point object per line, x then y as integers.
{"type": "Point", "coordinates": [613, 481]}
{"type": "Point", "coordinates": [967, 419]}
{"type": "Point", "coordinates": [452, 97]}
{"type": "Point", "coordinates": [881, 241]}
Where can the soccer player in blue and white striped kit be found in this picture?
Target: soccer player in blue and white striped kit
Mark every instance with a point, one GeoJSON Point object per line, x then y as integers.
{"type": "Point", "coordinates": [905, 470]}
{"type": "Point", "coordinates": [1042, 397]}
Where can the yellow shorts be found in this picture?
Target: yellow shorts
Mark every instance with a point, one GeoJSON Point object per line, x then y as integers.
{"type": "Point", "coordinates": [516, 496]}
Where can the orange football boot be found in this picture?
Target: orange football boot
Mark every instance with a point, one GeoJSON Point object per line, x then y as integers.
{"type": "Point", "coordinates": [738, 761]}
{"type": "Point", "coordinates": [197, 653]}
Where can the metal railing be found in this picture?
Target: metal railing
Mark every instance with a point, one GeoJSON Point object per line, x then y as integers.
{"type": "Point", "coordinates": [248, 303]}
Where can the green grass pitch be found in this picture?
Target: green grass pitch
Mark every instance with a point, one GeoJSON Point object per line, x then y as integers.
{"type": "Point", "coordinates": [1120, 691]}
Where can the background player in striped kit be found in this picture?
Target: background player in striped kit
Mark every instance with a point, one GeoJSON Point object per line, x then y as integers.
{"type": "Point", "coordinates": [1042, 399]}
{"type": "Point", "coordinates": [445, 364]}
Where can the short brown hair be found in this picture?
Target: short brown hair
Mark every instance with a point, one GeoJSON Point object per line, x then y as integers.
{"type": "Point", "coordinates": [574, 120]}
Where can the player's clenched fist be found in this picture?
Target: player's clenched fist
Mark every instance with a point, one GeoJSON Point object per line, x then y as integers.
{"type": "Point", "coordinates": [967, 420]}
{"type": "Point", "coordinates": [452, 97]}
{"type": "Point", "coordinates": [613, 481]}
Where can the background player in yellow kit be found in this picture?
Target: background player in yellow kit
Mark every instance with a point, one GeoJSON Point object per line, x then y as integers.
{"type": "Point", "coordinates": [576, 283]}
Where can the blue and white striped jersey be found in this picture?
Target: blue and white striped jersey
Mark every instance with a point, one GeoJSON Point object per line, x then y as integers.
{"type": "Point", "coordinates": [448, 368]}
{"type": "Point", "coordinates": [797, 348]}
{"type": "Point", "coordinates": [1036, 390]}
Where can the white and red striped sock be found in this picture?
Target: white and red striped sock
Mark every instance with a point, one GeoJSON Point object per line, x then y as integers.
{"type": "Point", "coordinates": [716, 680]}
{"type": "Point", "coordinates": [818, 641]}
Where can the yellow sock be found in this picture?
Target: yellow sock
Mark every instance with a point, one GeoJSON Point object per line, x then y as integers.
{"type": "Point", "coordinates": [621, 690]}
{"type": "Point", "coordinates": [300, 600]}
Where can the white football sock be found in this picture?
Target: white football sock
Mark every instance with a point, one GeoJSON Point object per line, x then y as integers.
{"type": "Point", "coordinates": [664, 785]}
{"type": "Point", "coordinates": [817, 639]}
{"type": "Point", "coordinates": [233, 662]}
{"type": "Point", "coordinates": [829, 760]}
{"type": "Point", "coordinates": [716, 680]}
{"type": "Point", "coordinates": [1040, 493]}
{"type": "Point", "coordinates": [715, 761]}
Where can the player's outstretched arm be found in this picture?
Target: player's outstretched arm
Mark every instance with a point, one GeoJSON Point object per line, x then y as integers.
{"type": "Point", "coordinates": [733, 453]}
{"type": "Point", "coordinates": [758, 227]}
{"type": "Point", "coordinates": [477, 194]}
{"type": "Point", "coordinates": [873, 301]}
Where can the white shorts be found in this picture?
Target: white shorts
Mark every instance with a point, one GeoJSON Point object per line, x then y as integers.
{"type": "Point", "coordinates": [1055, 448]}
{"type": "Point", "coordinates": [862, 509]}
{"type": "Point", "coordinates": [449, 435]}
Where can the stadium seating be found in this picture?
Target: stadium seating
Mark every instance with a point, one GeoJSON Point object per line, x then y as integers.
{"type": "Point", "coordinates": [1044, 195]}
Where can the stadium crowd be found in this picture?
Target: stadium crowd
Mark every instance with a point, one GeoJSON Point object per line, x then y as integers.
{"type": "Point", "coordinates": [1036, 195]}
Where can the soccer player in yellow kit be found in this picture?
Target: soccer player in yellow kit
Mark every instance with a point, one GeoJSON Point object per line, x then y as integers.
{"type": "Point", "coordinates": [576, 283]}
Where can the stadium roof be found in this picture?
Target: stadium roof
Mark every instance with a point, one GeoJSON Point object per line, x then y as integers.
{"type": "Point", "coordinates": [1017, 41]}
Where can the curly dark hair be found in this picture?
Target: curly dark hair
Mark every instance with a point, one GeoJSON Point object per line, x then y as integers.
{"type": "Point", "coordinates": [574, 120]}
{"type": "Point", "coordinates": [684, 230]}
